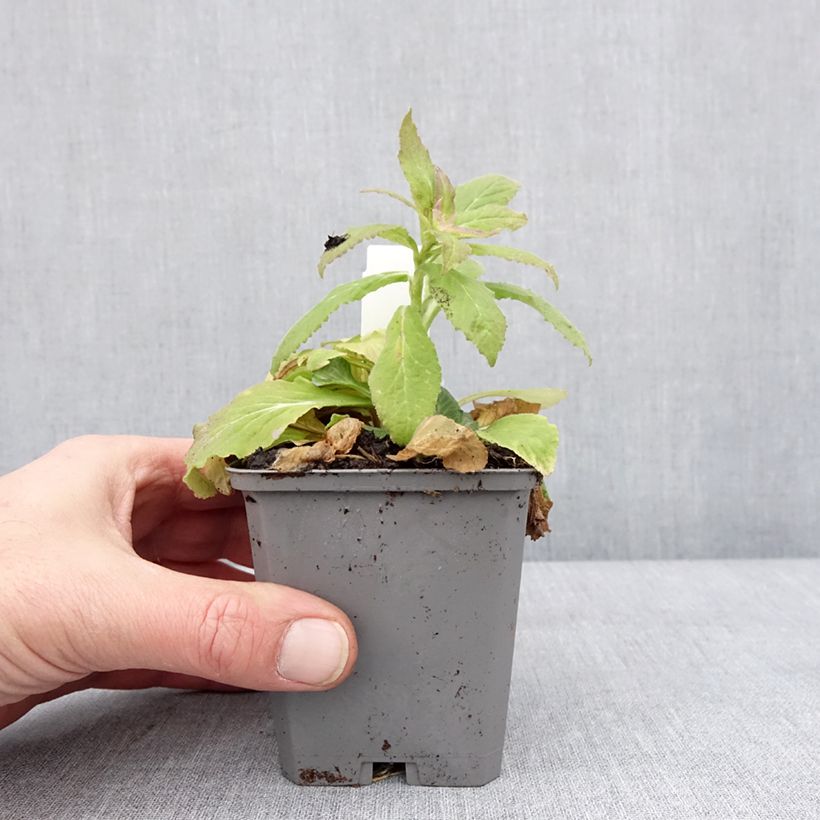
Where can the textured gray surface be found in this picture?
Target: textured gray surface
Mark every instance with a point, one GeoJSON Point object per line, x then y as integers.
{"type": "Point", "coordinates": [169, 170]}
{"type": "Point", "coordinates": [640, 690]}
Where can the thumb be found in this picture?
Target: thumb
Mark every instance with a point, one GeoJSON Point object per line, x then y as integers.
{"type": "Point", "coordinates": [253, 635]}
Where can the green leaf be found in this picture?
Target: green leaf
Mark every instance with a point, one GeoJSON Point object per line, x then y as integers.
{"type": "Point", "coordinates": [471, 308]}
{"type": "Point", "coordinates": [545, 396]}
{"type": "Point", "coordinates": [416, 165]}
{"type": "Point", "coordinates": [392, 194]}
{"type": "Point", "coordinates": [453, 250]}
{"type": "Point", "coordinates": [444, 207]}
{"type": "Point", "coordinates": [368, 347]}
{"type": "Point", "coordinates": [319, 313]}
{"type": "Point", "coordinates": [292, 435]}
{"type": "Point", "coordinates": [406, 378]}
{"type": "Point", "coordinates": [491, 219]}
{"type": "Point", "coordinates": [355, 236]}
{"type": "Point", "coordinates": [338, 373]}
{"type": "Point", "coordinates": [446, 405]}
{"type": "Point", "coordinates": [491, 189]}
{"type": "Point", "coordinates": [503, 290]}
{"type": "Point", "coordinates": [255, 418]}
{"type": "Point", "coordinates": [319, 358]}
{"type": "Point", "coordinates": [516, 255]}
{"type": "Point", "coordinates": [305, 428]}
{"type": "Point", "coordinates": [471, 268]}
{"type": "Point", "coordinates": [528, 435]}
{"type": "Point", "coordinates": [303, 364]}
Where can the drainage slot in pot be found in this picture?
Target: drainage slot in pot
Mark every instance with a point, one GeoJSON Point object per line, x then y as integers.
{"type": "Point", "coordinates": [384, 771]}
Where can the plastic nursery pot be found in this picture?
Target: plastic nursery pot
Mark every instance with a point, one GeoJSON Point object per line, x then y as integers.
{"type": "Point", "coordinates": [427, 564]}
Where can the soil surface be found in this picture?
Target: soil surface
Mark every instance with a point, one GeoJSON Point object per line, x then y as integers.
{"type": "Point", "coordinates": [371, 453]}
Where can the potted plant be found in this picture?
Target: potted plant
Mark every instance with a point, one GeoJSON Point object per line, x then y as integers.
{"type": "Point", "coordinates": [367, 483]}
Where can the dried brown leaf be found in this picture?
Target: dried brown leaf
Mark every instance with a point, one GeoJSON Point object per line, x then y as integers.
{"type": "Point", "coordinates": [338, 441]}
{"type": "Point", "coordinates": [487, 413]}
{"type": "Point", "coordinates": [342, 436]}
{"type": "Point", "coordinates": [458, 447]}
{"type": "Point", "coordinates": [538, 514]}
{"type": "Point", "coordinates": [288, 366]}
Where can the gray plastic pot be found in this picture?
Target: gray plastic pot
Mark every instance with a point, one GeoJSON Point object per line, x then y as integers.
{"type": "Point", "coordinates": [427, 564]}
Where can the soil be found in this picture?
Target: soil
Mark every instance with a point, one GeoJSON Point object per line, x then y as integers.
{"type": "Point", "coordinates": [371, 453]}
{"type": "Point", "coordinates": [315, 776]}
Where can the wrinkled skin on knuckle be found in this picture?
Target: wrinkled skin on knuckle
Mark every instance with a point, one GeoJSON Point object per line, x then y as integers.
{"type": "Point", "coordinates": [227, 635]}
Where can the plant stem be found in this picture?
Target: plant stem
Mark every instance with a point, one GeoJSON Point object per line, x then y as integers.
{"type": "Point", "coordinates": [417, 281]}
{"type": "Point", "coordinates": [431, 310]}
{"type": "Point", "coordinates": [417, 289]}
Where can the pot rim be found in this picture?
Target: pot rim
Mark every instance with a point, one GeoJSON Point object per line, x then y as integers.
{"type": "Point", "coordinates": [383, 480]}
{"type": "Point", "coordinates": [384, 471]}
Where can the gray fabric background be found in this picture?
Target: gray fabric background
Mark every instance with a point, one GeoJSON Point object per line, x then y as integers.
{"type": "Point", "coordinates": [169, 170]}
{"type": "Point", "coordinates": [667, 690]}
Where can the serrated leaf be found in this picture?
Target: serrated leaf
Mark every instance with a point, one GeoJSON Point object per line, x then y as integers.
{"type": "Point", "coordinates": [446, 405]}
{"type": "Point", "coordinates": [416, 165]}
{"type": "Point", "coordinates": [255, 418]}
{"type": "Point", "coordinates": [471, 308]}
{"type": "Point", "coordinates": [491, 189]}
{"type": "Point", "coordinates": [516, 255]}
{"type": "Point", "coordinates": [355, 236]}
{"type": "Point", "coordinates": [545, 396]}
{"type": "Point", "coordinates": [392, 194]}
{"type": "Point", "coordinates": [406, 379]}
{"type": "Point", "coordinates": [491, 219]}
{"type": "Point", "coordinates": [550, 313]}
{"type": "Point", "coordinates": [338, 373]}
{"type": "Point", "coordinates": [528, 435]}
{"type": "Point", "coordinates": [318, 314]}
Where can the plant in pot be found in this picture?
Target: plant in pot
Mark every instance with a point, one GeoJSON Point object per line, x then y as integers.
{"type": "Point", "coordinates": [367, 483]}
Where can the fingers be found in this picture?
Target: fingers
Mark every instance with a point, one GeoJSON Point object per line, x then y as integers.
{"type": "Point", "coordinates": [198, 536]}
{"type": "Point", "coordinates": [148, 679]}
{"type": "Point", "coordinates": [254, 636]}
{"type": "Point", "coordinates": [121, 679]}
{"type": "Point", "coordinates": [212, 569]}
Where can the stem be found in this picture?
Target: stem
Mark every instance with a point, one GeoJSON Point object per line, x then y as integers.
{"type": "Point", "coordinates": [417, 281]}
{"type": "Point", "coordinates": [431, 310]}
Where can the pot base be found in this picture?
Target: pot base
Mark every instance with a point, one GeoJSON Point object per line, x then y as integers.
{"type": "Point", "coordinates": [467, 770]}
{"type": "Point", "coordinates": [427, 566]}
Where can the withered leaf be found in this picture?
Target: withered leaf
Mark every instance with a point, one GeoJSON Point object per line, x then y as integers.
{"type": "Point", "coordinates": [288, 366]}
{"type": "Point", "coordinates": [538, 513]}
{"type": "Point", "coordinates": [487, 413]}
{"type": "Point", "coordinates": [342, 436]}
{"type": "Point", "coordinates": [338, 441]}
{"type": "Point", "coordinates": [458, 447]}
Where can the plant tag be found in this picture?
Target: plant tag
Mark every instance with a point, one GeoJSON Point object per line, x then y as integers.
{"type": "Point", "coordinates": [378, 307]}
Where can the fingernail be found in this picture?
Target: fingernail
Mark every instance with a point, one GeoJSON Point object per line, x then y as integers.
{"type": "Point", "coordinates": [313, 651]}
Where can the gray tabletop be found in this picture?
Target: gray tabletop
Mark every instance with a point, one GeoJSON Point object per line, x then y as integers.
{"type": "Point", "coordinates": [654, 689]}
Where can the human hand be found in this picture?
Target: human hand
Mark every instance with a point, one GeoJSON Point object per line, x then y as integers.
{"type": "Point", "coordinates": [110, 578]}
